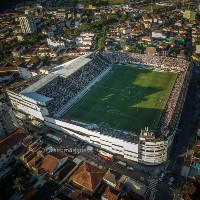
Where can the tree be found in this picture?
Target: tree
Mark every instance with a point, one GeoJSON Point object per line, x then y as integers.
{"type": "Point", "coordinates": [101, 44]}
{"type": "Point", "coordinates": [104, 29]}
{"type": "Point", "coordinates": [9, 59]}
{"type": "Point", "coordinates": [76, 31]}
{"type": "Point", "coordinates": [72, 3]}
{"type": "Point", "coordinates": [18, 183]}
{"type": "Point", "coordinates": [19, 59]}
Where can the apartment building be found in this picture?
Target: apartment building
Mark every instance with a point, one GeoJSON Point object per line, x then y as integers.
{"type": "Point", "coordinates": [27, 23]}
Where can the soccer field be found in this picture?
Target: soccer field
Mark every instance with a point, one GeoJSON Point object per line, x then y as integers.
{"type": "Point", "coordinates": [127, 98]}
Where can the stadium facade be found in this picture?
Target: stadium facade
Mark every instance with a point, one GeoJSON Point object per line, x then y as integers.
{"type": "Point", "coordinates": [48, 97]}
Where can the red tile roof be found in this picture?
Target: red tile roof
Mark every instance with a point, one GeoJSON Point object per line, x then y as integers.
{"type": "Point", "coordinates": [51, 160]}
{"type": "Point", "coordinates": [110, 194]}
{"type": "Point", "coordinates": [88, 176]}
{"type": "Point", "coordinates": [12, 140]}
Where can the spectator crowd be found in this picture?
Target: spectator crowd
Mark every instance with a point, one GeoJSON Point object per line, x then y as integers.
{"type": "Point", "coordinates": [62, 90]}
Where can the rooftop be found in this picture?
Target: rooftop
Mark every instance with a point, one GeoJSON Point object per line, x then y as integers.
{"type": "Point", "coordinates": [19, 86]}
{"type": "Point", "coordinates": [51, 160]}
{"type": "Point", "coordinates": [88, 176]}
{"type": "Point", "coordinates": [111, 194]}
{"type": "Point", "coordinates": [36, 96]}
{"type": "Point", "coordinates": [73, 65]}
{"type": "Point", "coordinates": [12, 140]}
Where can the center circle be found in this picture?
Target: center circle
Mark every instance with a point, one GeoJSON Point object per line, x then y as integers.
{"type": "Point", "coordinates": [130, 92]}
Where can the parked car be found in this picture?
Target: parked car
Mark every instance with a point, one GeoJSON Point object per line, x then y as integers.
{"type": "Point", "coordinates": [171, 181]}
{"type": "Point", "coordinates": [161, 177]}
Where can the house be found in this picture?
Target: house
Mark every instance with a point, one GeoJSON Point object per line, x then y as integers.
{"type": "Point", "coordinates": [55, 43]}
{"type": "Point", "coordinates": [111, 177]}
{"type": "Point", "coordinates": [84, 47]}
{"type": "Point", "coordinates": [158, 34]}
{"type": "Point", "coordinates": [147, 18]}
{"type": "Point", "coordinates": [17, 52]}
{"type": "Point", "coordinates": [80, 195]}
{"type": "Point", "coordinates": [34, 153]}
{"type": "Point", "coordinates": [52, 162]}
{"type": "Point", "coordinates": [110, 194]}
{"type": "Point", "coordinates": [64, 172]}
{"type": "Point", "coordinates": [9, 145]}
{"type": "Point", "coordinates": [73, 53]}
{"type": "Point", "coordinates": [87, 177]}
{"type": "Point", "coordinates": [54, 52]}
{"type": "Point", "coordinates": [134, 186]}
{"type": "Point", "coordinates": [29, 53]}
{"type": "Point", "coordinates": [147, 24]}
{"type": "Point", "coordinates": [126, 29]}
{"type": "Point", "coordinates": [86, 40]}
{"type": "Point", "coordinates": [61, 14]}
{"type": "Point", "coordinates": [48, 31]}
{"type": "Point", "coordinates": [6, 67]}
{"type": "Point", "coordinates": [87, 34]}
{"type": "Point", "coordinates": [30, 69]}
{"type": "Point", "coordinates": [43, 53]}
{"type": "Point", "coordinates": [146, 38]}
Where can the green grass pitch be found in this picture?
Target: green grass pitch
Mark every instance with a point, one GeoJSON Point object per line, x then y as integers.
{"type": "Point", "coordinates": [127, 98]}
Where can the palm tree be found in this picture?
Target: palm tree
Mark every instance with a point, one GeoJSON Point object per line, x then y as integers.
{"type": "Point", "coordinates": [18, 184]}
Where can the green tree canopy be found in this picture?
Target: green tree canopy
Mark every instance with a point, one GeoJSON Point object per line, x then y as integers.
{"type": "Point", "coordinates": [102, 44]}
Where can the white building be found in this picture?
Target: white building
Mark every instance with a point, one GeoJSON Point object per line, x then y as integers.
{"type": "Point", "coordinates": [151, 147]}
{"type": "Point", "coordinates": [27, 23]}
{"type": "Point", "coordinates": [197, 48]}
{"type": "Point", "coordinates": [126, 30]}
{"type": "Point", "coordinates": [30, 69]}
{"type": "Point", "coordinates": [158, 34]}
{"type": "Point", "coordinates": [56, 43]}
{"type": "Point", "coordinates": [87, 40]}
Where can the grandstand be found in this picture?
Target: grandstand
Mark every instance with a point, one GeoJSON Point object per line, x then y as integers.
{"type": "Point", "coordinates": [107, 98]}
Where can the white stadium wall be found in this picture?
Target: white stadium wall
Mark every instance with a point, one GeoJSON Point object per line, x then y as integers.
{"type": "Point", "coordinates": [117, 146]}
{"type": "Point", "coordinates": [27, 105]}
{"type": "Point", "coordinates": [153, 152]}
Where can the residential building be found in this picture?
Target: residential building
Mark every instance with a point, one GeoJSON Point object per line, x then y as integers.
{"type": "Point", "coordinates": [188, 14]}
{"type": "Point", "coordinates": [30, 69]}
{"type": "Point", "coordinates": [56, 43]}
{"type": "Point", "coordinates": [87, 177]}
{"type": "Point", "coordinates": [27, 23]}
{"type": "Point", "coordinates": [197, 48]}
{"type": "Point", "coordinates": [6, 120]}
{"type": "Point", "coordinates": [17, 52]}
{"type": "Point", "coordinates": [158, 34]}
{"type": "Point", "coordinates": [9, 145]}
{"type": "Point", "coordinates": [52, 162]}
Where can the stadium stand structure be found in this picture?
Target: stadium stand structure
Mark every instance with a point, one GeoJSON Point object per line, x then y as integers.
{"type": "Point", "coordinates": [47, 97]}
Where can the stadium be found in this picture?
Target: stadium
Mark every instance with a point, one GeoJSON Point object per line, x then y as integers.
{"type": "Point", "coordinates": [127, 104]}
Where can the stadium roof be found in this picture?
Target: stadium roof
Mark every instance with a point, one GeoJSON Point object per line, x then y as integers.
{"type": "Point", "coordinates": [36, 96]}
{"type": "Point", "coordinates": [72, 66]}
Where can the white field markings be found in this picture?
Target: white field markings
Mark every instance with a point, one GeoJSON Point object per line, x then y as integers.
{"type": "Point", "coordinates": [110, 120]}
{"type": "Point", "coordinates": [82, 100]}
{"type": "Point", "coordinates": [167, 93]}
